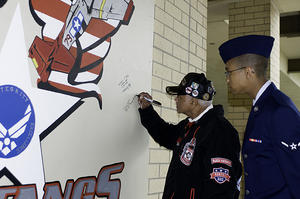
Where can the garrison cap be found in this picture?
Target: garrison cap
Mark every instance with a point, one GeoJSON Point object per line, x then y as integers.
{"type": "Point", "coordinates": [254, 44]}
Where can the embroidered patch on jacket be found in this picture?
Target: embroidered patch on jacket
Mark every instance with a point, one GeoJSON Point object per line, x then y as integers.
{"type": "Point", "coordinates": [221, 161]}
{"type": "Point", "coordinates": [293, 146]}
{"type": "Point", "coordinates": [255, 140]}
{"type": "Point", "coordinates": [220, 175]}
{"type": "Point", "coordinates": [188, 152]}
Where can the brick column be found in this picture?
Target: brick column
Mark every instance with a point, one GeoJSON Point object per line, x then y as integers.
{"type": "Point", "coordinates": [180, 29]}
{"type": "Point", "coordinates": [253, 17]}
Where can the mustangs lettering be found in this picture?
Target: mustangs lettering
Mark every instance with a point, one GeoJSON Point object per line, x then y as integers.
{"type": "Point", "coordinates": [76, 38]}
{"type": "Point", "coordinates": [85, 187]}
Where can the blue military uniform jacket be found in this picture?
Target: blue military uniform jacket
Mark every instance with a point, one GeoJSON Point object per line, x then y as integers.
{"type": "Point", "coordinates": [271, 148]}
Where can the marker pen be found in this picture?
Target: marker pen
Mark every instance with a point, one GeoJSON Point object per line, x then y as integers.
{"type": "Point", "coordinates": [151, 101]}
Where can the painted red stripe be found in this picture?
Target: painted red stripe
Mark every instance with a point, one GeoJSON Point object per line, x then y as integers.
{"type": "Point", "coordinates": [99, 28]}
{"type": "Point", "coordinates": [53, 8]}
{"type": "Point", "coordinates": [88, 58]}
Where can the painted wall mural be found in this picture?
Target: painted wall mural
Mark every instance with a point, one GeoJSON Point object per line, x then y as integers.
{"type": "Point", "coordinates": [69, 71]}
{"type": "Point", "coordinates": [75, 41]}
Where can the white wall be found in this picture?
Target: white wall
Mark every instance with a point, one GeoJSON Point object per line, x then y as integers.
{"type": "Point", "coordinates": [89, 138]}
{"type": "Point", "coordinates": [289, 82]}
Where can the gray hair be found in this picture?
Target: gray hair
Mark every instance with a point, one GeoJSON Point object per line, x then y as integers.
{"type": "Point", "coordinates": [204, 103]}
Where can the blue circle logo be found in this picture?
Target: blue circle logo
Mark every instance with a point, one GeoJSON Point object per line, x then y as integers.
{"type": "Point", "coordinates": [17, 121]}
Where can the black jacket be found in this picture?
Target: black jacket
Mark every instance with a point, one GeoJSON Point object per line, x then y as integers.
{"type": "Point", "coordinates": [205, 162]}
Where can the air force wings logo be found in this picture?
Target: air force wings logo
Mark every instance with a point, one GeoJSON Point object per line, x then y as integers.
{"type": "Point", "coordinates": [76, 38]}
{"type": "Point", "coordinates": [17, 125]}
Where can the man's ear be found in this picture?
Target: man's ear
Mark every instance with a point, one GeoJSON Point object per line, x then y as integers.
{"type": "Point", "coordinates": [249, 71]}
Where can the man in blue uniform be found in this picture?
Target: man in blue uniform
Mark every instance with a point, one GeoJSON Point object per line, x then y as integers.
{"type": "Point", "coordinates": [271, 147]}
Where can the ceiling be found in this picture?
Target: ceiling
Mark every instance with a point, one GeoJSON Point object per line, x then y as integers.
{"type": "Point", "coordinates": [218, 28]}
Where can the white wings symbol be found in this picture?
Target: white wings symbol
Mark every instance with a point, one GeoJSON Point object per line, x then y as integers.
{"type": "Point", "coordinates": [6, 143]}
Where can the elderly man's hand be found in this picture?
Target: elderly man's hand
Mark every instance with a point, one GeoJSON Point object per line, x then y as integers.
{"type": "Point", "coordinates": [142, 101]}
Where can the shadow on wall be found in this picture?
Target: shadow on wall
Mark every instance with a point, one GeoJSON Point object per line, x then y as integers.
{"type": "Point", "coordinates": [215, 73]}
{"type": "Point", "coordinates": [290, 87]}
{"type": "Point", "coordinates": [2, 2]}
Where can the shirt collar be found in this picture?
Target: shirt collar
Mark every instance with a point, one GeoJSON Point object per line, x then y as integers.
{"type": "Point", "coordinates": [261, 91]}
{"type": "Point", "coordinates": [201, 114]}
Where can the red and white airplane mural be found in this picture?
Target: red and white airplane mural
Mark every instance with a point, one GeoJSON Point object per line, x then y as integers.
{"type": "Point", "coordinates": [75, 40]}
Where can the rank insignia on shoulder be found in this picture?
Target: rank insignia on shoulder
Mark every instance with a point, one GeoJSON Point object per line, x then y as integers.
{"type": "Point", "coordinates": [293, 146]}
{"type": "Point", "coordinates": [220, 175]}
{"type": "Point", "coordinates": [255, 140]}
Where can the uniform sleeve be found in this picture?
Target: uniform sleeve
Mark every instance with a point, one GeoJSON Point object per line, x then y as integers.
{"type": "Point", "coordinates": [223, 167]}
{"type": "Point", "coordinates": [163, 133]}
{"type": "Point", "coordinates": [286, 137]}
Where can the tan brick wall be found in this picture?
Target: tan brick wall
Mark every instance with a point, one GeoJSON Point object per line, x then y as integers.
{"type": "Point", "coordinates": [179, 47]}
{"type": "Point", "coordinates": [275, 55]}
{"type": "Point", "coordinates": [253, 17]}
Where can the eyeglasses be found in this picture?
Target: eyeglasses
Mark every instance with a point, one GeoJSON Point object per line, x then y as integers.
{"type": "Point", "coordinates": [227, 73]}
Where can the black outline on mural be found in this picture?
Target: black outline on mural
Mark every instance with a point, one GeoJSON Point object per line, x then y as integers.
{"type": "Point", "coordinates": [46, 132]}
{"type": "Point", "coordinates": [5, 172]}
{"type": "Point", "coordinates": [2, 3]}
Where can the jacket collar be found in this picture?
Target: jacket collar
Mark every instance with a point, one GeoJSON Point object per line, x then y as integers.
{"type": "Point", "coordinates": [268, 92]}
{"type": "Point", "coordinates": [261, 91]}
{"type": "Point", "coordinates": [201, 114]}
{"type": "Point", "coordinates": [212, 114]}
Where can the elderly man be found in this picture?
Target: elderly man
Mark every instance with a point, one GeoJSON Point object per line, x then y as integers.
{"type": "Point", "coordinates": [205, 162]}
{"type": "Point", "coordinates": [271, 147]}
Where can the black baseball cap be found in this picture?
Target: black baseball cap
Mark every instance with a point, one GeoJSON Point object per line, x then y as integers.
{"type": "Point", "coordinates": [195, 85]}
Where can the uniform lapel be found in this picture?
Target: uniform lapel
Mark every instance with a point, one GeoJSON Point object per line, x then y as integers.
{"type": "Point", "coordinates": [256, 109]}
{"type": "Point", "coordinates": [249, 123]}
